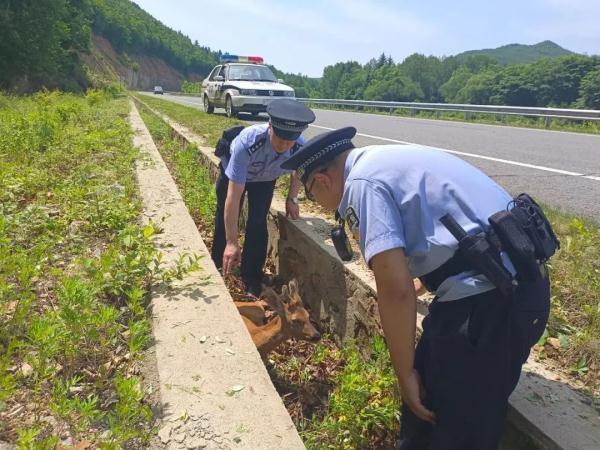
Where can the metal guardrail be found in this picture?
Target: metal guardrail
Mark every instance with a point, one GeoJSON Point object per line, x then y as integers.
{"type": "Point", "coordinates": [547, 113]}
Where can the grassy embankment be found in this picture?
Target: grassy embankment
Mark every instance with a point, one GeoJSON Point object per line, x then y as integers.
{"type": "Point", "coordinates": [75, 267]}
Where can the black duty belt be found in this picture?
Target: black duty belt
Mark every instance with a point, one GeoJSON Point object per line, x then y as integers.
{"type": "Point", "coordinates": [455, 265]}
{"type": "Point", "coordinates": [458, 263]}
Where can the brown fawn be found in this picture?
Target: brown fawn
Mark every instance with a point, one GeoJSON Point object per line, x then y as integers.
{"type": "Point", "coordinates": [291, 321]}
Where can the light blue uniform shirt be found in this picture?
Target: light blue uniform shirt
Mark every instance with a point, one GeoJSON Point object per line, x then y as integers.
{"type": "Point", "coordinates": [253, 158]}
{"type": "Point", "coordinates": [398, 194]}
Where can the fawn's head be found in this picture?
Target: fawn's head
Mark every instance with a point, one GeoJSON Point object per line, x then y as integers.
{"type": "Point", "coordinates": [294, 316]}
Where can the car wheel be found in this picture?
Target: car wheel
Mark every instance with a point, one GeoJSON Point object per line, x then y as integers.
{"type": "Point", "coordinates": [208, 108]}
{"type": "Point", "coordinates": [229, 109]}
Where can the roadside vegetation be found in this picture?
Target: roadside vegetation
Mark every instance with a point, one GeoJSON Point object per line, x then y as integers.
{"type": "Point", "coordinates": [572, 339]}
{"type": "Point", "coordinates": [75, 267]}
{"type": "Point", "coordinates": [208, 126]}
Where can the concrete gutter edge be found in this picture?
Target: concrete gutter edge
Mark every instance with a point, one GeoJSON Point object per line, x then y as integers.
{"type": "Point", "coordinates": [214, 389]}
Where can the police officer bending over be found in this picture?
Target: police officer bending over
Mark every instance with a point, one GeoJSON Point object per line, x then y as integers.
{"type": "Point", "coordinates": [456, 383]}
{"type": "Point", "coordinates": [253, 166]}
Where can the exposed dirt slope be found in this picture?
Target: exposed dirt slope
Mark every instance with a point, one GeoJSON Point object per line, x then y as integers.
{"type": "Point", "coordinates": [137, 72]}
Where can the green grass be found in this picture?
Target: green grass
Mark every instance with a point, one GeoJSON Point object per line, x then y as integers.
{"type": "Point", "coordinates": [575, 311]}
{"type": "Point", "coordinates": [75, 266]}
{"type": "Point", "coordinates": [364, 406]}
{"type": "Point", "coordinates": [192, 178]}
{"type": "Point", "coordinates": [210, 126]}
{"type": "Point", "coordinates": [588, 127]}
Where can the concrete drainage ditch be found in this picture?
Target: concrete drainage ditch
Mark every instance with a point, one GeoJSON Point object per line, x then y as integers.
{"type": "Point", "coordinates": [342, 296]}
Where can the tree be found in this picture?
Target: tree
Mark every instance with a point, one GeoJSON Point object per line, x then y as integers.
{"type": "Point", "coordinates": [589, 93]}
{"type": "Point", "coordinates": [427, 72]}
{"type": "Point", "coordinates": [389, 83]}
{"type": "Point", "coordinates": [40, 41]}
{"type": "Point", "coordinates": [457, 81]}
{"type": "Point", "coordinates": [478, 89]}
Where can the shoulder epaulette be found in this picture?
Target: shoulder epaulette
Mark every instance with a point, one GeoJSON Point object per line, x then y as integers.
{"type": "Point", "coordinates": [259, 142]}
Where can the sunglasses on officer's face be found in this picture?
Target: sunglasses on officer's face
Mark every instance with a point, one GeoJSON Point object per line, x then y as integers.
{"type": "Point", "coordinates": [308, 190]}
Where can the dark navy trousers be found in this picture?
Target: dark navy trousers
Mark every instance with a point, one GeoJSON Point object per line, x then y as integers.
{"type": "Point", "coordinates": [254, 253]}
{"type": "Point", "coordinates": [469, 357]}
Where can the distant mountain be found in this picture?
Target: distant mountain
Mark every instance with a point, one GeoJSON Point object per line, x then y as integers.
{"type": "Point", "coordinates": [519, 54]}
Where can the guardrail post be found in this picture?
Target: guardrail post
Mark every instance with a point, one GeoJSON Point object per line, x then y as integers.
{"type": "Point", "coordinates": [413, 112]}
{"type": "Point", "coordinates": [547, 122]}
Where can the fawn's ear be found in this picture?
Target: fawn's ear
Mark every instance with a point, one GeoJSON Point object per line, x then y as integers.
{"type": "Point", "coordinates": [285, 293]}
{"type": "Point", "coordinates": [294, 292]}
{"type": "Point", "coordinates": [294, 287]}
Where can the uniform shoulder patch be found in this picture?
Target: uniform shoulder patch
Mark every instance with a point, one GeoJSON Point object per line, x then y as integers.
{"type": "Point", "coordinates": [259, 142]}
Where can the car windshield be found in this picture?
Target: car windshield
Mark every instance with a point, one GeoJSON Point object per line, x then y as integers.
{"type": "Point", "coordinates": [247, 72]}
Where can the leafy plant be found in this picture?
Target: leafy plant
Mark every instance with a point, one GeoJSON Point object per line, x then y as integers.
{"type": "Point", "coordinates": [364, 407]}
{"type": "Point", "coordinates": [75, 267]}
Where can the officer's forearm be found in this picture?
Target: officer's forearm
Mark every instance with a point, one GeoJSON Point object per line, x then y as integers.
{"type": "Point", "coordinates": [398, 319]}
{"type": "Point", "coordinates": [397, 304]}
{"type": "Point", "coordinates": [294, 185]}
{"type": "Point", "coordinates": [232, 208]}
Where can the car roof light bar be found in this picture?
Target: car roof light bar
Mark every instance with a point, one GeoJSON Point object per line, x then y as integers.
{"type": "Point", "coordinates": [227, 58]}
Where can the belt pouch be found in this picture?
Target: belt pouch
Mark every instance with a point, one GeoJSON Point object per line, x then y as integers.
{"type": "Point", "coordinates": [517, 244]}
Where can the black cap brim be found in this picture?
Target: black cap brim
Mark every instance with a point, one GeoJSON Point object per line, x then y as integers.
{"type": "Point", "coordinates": [286, 135]}
{"type": "Point", "coordinates": [320, 150]}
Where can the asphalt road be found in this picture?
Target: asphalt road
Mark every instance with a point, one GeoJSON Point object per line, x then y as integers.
{"type": "Point", "coordinates": [559, 168]}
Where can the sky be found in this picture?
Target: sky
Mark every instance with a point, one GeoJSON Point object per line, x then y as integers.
{"type": "Point", "coordinates": [305, 36]}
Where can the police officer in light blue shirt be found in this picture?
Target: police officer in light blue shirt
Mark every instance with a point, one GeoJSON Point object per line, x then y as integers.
{"type": "Point", "coordinates": [455, 384]}
{"type": "Point", "coordinates": [252, 166]}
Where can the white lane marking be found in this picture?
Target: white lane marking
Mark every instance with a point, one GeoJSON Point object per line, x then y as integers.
{"type": "Point", "coordinates": [473, 155]}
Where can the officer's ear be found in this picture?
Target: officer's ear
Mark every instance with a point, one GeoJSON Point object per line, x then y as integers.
{"type": "Point", "coordinates": [324, 178]}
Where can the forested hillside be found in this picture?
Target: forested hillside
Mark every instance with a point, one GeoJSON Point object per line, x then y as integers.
{"type": "Point", "coordinates": [44, 43]}
{"type": "Point", "coordinates": [566, 81]}
{"type": "Point", "coordinates": [132, 30]}
{"type": "Point", "coordinates": [520, 54]}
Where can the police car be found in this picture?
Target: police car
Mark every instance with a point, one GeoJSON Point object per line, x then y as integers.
{"type": "Point", "coordinates": [242, 84]}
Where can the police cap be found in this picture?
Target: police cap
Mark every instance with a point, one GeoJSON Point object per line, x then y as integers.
{"type": "Point", "coordinates": [320, 150]}
{"type": "Point", "coordinates": [289, 118]}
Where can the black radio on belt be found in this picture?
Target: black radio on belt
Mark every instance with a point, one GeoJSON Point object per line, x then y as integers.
{"type": "Point", "coordinates": [341, 241]}
{"type": "Point", "coordinates": [526, 235]}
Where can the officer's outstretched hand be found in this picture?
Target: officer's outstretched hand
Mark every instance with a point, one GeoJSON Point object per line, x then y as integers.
{"type": "Point", "coordinates": [413, 394]}
{"type": "Point", "coordinates": [292, 209]}
{"type": "Point", "coordinates": [231, 257]}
